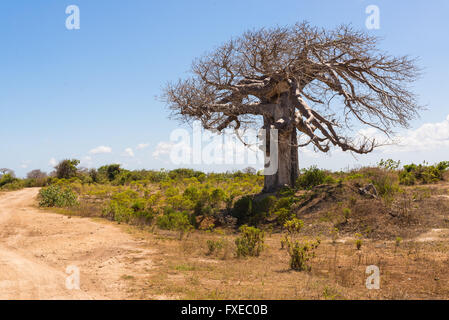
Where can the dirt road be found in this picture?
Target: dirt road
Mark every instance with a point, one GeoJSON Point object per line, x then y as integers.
{"type": "Point", "coordinates": [41, 251]}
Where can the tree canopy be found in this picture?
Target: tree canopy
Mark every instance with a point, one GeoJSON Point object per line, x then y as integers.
{"type": "Point", "coordinates": [338, 78]}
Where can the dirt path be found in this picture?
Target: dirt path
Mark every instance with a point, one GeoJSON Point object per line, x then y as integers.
{"type": "Point", "coordinates": [36, 247]}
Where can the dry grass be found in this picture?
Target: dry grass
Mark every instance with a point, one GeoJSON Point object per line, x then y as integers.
{"type": "Point", "coordinates": [184, 270]}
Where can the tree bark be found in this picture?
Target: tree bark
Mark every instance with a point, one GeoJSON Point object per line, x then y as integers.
{"type": "Point", "coordinates": [288, 168]}
{"type": "Point", "coordinates": [287, 145]}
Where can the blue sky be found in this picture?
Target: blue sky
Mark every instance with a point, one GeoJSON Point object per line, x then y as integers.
{"type": "Point", "coordinates": [64, 93]}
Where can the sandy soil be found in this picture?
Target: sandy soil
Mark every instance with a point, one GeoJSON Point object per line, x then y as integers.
{"type": "Point", "coordinates": [36, 247]}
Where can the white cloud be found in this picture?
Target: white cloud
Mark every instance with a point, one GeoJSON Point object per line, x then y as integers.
{"type": "Point", "coordinates": [428, 137]}
{"type": "Point", "coordinates": [100, 150]}
{"type": "Point", "coordinates": [25, 164]}
{"type": "Point", "coordinates": [86, 161]}
{"type": "Point", "coordinates": [129, 152]}
{"type": "Point", "coordinates": [162, 149]}
{"type": "Point", "coordinates": [52, 162]}
{"type": "Point", "coordinates": [142, 146]}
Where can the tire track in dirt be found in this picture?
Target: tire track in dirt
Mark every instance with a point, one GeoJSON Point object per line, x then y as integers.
{"type": "Point", "coordinates": [37, 246]}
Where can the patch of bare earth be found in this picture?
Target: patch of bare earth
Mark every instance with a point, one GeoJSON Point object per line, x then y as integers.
{"type": "Point", "coordinates": [36, 247]}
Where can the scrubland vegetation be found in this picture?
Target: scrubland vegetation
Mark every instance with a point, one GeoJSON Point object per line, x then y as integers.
{"type": "Point", "coordinates": [224, 216]}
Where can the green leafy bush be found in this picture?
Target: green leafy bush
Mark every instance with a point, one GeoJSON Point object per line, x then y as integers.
{"type": "Point", "coordinates": [214, 246]}
{"type": "Point", "coordinates": [67, 169]}
{"type": "Point", "coordinates": [117, 211]}
{"type": "Point", "coordinates": [57, 196]}
{"type": "Point", "coordinates": [300, 252]}
{"type": "Point", "coordinates": [423, 173]}
{"type": "Point", "coordinates": [358, 241]}
{"type": "Point", "coordinates": [250, 242]}
{"type": "Point", "coordinates": [311, 177]}
{"type": "Point", "coordinates": [173, 220]}
{"type": "Point", "coordinates": [283, 215]}
{"type": "Point", "coordinates": [7, 179]}
{"type": "Point", "coordinates": [251, 211]}
{"type": "Point", "coordinates": [386, 184]}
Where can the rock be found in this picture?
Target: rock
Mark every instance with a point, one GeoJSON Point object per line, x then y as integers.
{"type": "Point", "coordinates": [369, 190]}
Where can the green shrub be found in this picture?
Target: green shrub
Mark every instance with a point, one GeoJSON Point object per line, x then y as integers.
{"type": "Point", "coordinates": [242, 209]}
{"type": "Point", "coordinates": [110, 172]}
{"type": "Point", "coordinates": [250, 211]}
{"type": "Point", "coordinates": [407, 178]}
{"type": "Point", "coordinates": [250, 242]}
{"type": "Point", "coordinates": [117, 211]}
{"type": "Point", "coordinates": [267, 204]}
{"type": "Point", "coordinates": [385, 184]}
{"type": "Point", "coordinates": [286, 192]}
{"type": "Point", "coordinates": [285, 202]}
{"type": "Point", "coordinates": [7, 179]}
{"type": "Point", "coordinates": [191, 193]}
{"type": "Point", "coordinates": [173, 220]}
{"type": "Point", "coordinates": [311, 177]}
{"type": "Point", "coordinates": [67, 169]}
{"type": "Point", "coordinates": [214, 246]}
{"type": "Point", "coordinates": [358, 241]}
{"type": "Point", "coordinates": [216, 197]}
{"type": "Point", "coordinates": [346, 214]}
{"type": "Point", "coordinates": [301, 253]}
{"type": "Point", "coordinates": [57, 196]}
{"type": "Point", "coordinates": [398, 241]}
{"type": "Point", "coordinates": [293, 226]}
{"type": "Point", "coordinates": [422, 173]}
{"type": "Point", "coordinates": [283, 215]}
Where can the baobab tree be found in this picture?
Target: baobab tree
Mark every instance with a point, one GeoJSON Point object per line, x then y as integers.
{"type": "Point", "coordinates": [314, 86]}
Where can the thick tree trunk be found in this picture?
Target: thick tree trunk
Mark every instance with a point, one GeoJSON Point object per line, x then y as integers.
{"type": "Point", "coordinates": [288, 169]}
{"type": "Point", "coordinates": [287, 147]}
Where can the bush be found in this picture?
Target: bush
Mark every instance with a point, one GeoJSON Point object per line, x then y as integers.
{"type": "Point", "coordinates": [67, 169]}
{"type": "Point", "coordinates": [214, 246]}
{"type": "Point", "coordinates": [311, 177]}
{"type": "Point", "coordinates": [385, 183]}
{"type": "Point", "coordinates": [407, 178]}
{"type": "Point", "coordinates": [110, 172]}
{"type": "Point", "coordinates": [7, 179]}
{"type": "Point", "coordinates": [398, 241]}
{"type": "Point", "coordinates": [57, 196]}
{"type": "Point", "coordinates": [243, 209]}
{"type": "Point", "coordinates": [358, 241]}
{"type": "Point", "coordinates": [117, 211]}
{"type": "Point", "coordinates": [250, 242]}
{"type": "Point", "coordinates": [172, 220]}
{"type": "Point", "coordinates": [250, 211]}
{"type": "Point", "coordinates": [300, 253]}
{"type": "Point", "coordinates": [422, 173]}
{"type": "Point", "coordinates": [283, 215]}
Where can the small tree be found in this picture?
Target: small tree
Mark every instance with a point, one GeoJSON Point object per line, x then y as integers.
{"type": "Point", "coordinates": [4, 171]}
{"type": "Point", "coordinates": [251, 241]}
{"type": "Point", "coordinates": [110, 171]}
{"type": "Point", "coordinates": [67, 169]}
{"type": "Point", "coordinates": [300, 252]}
